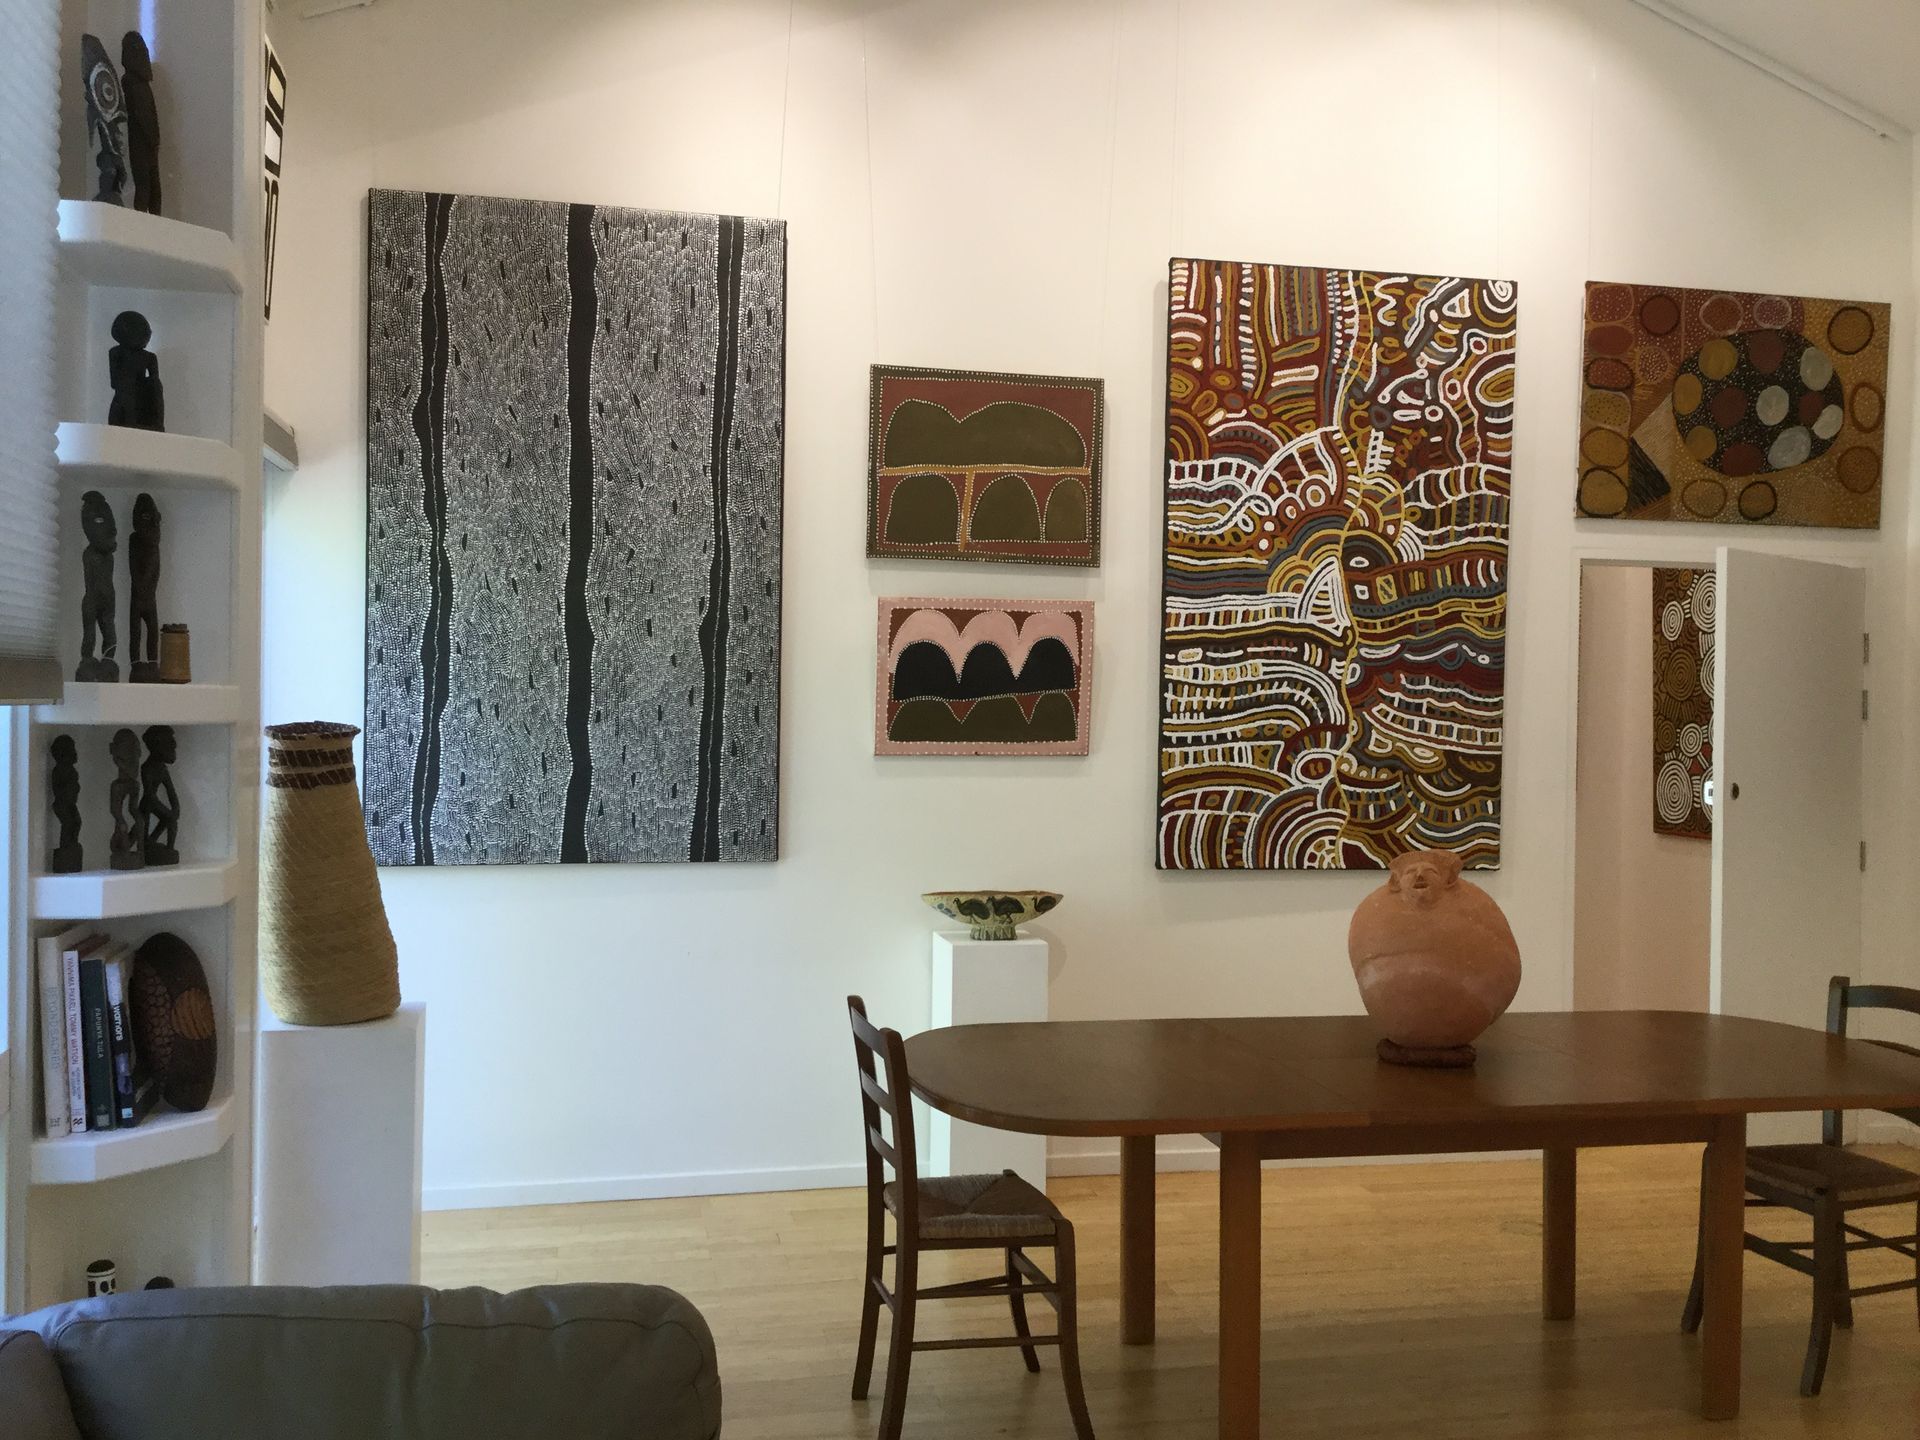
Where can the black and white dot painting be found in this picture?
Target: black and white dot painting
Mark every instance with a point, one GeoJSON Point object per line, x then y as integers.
{"type": "Point", "coordinates": [574, 452]}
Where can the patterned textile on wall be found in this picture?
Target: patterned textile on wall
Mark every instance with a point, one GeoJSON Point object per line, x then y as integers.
{"type": "Point", "coordinates": [1339, 448]}
{"type": "Point", "coordinates": [983, 677]}
{"type": "Point", "coordinates": [574, 450]}
{"type": "Point", "coordinates": [1716, 405]}
{"type": "Point", "coordinates": [970, 465]}
{"type": "Point", "coordinates": [1683, 615]}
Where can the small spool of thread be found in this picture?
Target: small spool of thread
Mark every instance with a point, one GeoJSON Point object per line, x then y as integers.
{"type": "Point", "coordinates": [176, 655]}
{"type": "Point", "coordinates": [102, 1278]}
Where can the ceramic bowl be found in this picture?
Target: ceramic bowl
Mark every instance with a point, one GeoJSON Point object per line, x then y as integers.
{"type": "Point", "coordinates": [992, 914]}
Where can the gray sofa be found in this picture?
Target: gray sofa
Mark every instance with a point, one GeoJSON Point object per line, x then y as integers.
{"type": "Point", "coordinates": [570, 1362]}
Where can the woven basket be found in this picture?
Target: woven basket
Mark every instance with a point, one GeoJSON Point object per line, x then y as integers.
{"type": "Point", "coordinates": [326, 954]}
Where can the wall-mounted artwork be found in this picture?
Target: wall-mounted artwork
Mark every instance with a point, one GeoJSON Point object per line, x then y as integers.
{"type": "Point", "coordinates": [969, 465]}
{"type": "Point", "coordinates": [1683, 615]}
{"type": "Point", "coordinates": [574, 451]}
{"type": "Point", "coordinates": [984, 677]}
{"type": "Point", "coordinates": [1339, 450]}
{"type": "Point", "coordinates": [1717, 405]}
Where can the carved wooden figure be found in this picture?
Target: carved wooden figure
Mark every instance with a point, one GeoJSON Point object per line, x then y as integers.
{"type": "Point", "coordinates": [159, 801]}
{"type": "Point", "coordinates": [139, 400]}
{"type": "Point", "coordinates": [143, 121]}
{"type": "Point", "coordinates": [97, 596]}
{"type": "Point", "coordinates": [106, 112]}
{"type": "Point", "coordinates": [123, 802]}
{"type": "Point", "coordinates": [143, 615]}
{"type": "Point", "coordinates": [64, 789]}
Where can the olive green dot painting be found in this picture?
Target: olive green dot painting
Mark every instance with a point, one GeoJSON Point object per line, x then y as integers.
{"type": "Point", "coordinates": [977, 465]}
{"type": "Point", "coordinates": [1729, 407]}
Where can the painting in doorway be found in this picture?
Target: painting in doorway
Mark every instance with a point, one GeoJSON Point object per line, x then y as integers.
{"type": "Point", "coordinates": [1723, 406]}
{"type": "Point", "coordinates": [971, 465]}
{"type": "Point", "coordinates": [1683, 613]}
{"type": "Point", "coordinates": [574, 450]}
{"type": "Point", "coordinates": [1339, 450]}
{"type": "Point", "coordinates": [983, 677]}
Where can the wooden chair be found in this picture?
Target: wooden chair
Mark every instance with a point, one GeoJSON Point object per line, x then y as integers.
{"type": "Point", "coordinates": [955, 1212]}
{"type": "Point", "coordinates": [1826, 1183]}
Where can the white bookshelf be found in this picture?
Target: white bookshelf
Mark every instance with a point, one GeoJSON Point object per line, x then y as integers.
{"type": "Point", "coordinates": [118, 894]}
{"type": "Point", "coordinates": [115, 246]}
{"type": "Point", "coordinates": [118, 704]}
{"type": "Point", "coordinates": [112, 455]}
{"type": "Point", "coordinates": [172, 1195]}
{"type": "Point", "coordinates": [167, 1137]}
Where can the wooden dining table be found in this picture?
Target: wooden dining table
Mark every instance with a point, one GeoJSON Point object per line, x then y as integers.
{"type": "Point", "coordinates": [1311, 1086]}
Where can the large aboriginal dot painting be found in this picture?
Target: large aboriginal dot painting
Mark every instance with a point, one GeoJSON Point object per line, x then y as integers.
{"type": "Point", "coordinates": [1726, 406]}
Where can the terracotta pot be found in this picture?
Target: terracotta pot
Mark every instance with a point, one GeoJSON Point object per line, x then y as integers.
{"type": "Point", "coordinates": [1435, 959]}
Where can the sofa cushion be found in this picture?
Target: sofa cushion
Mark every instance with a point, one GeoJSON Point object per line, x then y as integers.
{"type": "Point", "coordinates": [31, 1395]}
{"type": "Point", "coordinates": [588, 1362]}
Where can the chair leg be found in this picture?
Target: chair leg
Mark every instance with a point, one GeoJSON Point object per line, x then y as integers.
{"type": "Point", "coordinates": [1843, 1291]}
{"type": "Point", "coordinates": [1828, 1237]}
{"type": "Point", "coordinates": [1067, 1277]}
{"type": "Point", "coordinates": [906, 1284]}
{"type": "Point", "coordinates": [869, 1302]}
{"type": "Point", "coordinates": [1697, 1293]}
{"type": "Point", "coordinates": [1018, 1304]}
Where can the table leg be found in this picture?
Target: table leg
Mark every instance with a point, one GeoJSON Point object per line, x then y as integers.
{"type": "Point", "coordinates": [1558, 1231]}
{"type": "Point", "coordinates": [1723, 1216]}
{"type": "Point", "coordinates": [1239, 1287]}
{"type": "Point", "coordinates": [1136, 1238]}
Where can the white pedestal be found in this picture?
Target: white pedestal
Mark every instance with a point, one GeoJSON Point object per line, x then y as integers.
{"type": "Point", "coordinates": [337, 1158]}
{"type": "Point", "coordinates": [979, 982]}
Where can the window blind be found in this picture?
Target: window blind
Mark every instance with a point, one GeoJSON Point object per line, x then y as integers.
{"type": "Point", "coordinates": [29, 227]}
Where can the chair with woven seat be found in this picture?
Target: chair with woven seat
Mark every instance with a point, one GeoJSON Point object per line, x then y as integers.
{"type": "Point", "coordinates": [1827, 1183]}
{"type": "Point", "coordinates": [949, 1212]}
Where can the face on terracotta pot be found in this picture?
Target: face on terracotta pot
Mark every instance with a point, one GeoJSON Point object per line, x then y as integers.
{"type": "Point", "coordinates": [1423, 876]}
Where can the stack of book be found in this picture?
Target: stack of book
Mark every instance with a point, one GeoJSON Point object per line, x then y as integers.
{"type": "Point", "coordinates": [91, 1078]}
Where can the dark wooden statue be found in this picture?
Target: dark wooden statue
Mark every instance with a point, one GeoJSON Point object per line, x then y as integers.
{"type": "Point", "coordinates": [123, 802]}
{"type": "Point", "coordinates": [106, 113]}
{"type": "Point", "coordinates": [143, 615]}
{"type": "Point", "coordinates": [138, 399]}
{"type": "Point", "coordinates": [159, 801]}
{"type": "Point", "coordinates": [64, 789]}
{"type": "Point", "coordinates": [97, 600]}
{"type": "Point", "coordinates": [143, 121]}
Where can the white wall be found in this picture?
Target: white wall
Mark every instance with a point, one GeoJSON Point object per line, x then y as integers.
{"type": "Point", "coordinates": [999, 184]}
{"type": "Point", "coordinates": [1642, 900]}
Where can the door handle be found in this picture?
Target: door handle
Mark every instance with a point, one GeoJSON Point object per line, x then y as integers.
{"type": "Point", "coordinates": [1733, 789]}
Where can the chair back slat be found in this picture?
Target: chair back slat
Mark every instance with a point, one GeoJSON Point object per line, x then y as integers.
{"type": "Point", "coordinates": [1843, 998]}
{"type": "Point", "coordinates": [885, 1091]}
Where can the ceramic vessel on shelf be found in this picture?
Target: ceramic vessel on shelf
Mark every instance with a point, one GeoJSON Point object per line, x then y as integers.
{"type": "Point", "coordinates": [992, 914]}
{"type": "Point", "coordinates": [1435, 960]}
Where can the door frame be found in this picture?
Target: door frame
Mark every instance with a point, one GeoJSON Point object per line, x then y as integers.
{"type": "Point", "coordinates": [1695, 546]}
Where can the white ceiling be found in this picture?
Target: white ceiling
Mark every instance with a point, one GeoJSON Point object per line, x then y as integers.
{"type": "Point", "coordinates": [1865, 50]}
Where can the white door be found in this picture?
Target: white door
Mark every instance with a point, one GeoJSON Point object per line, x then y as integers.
{"type": "Point", "coordinates": [1788, 736]}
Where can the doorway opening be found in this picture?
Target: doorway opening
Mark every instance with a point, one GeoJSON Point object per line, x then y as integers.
{"type": "Point", "coordinates": [1643, 794]}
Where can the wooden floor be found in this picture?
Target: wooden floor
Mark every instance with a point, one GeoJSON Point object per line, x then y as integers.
{"type": "Point", "coordinates": [1399, 1299]}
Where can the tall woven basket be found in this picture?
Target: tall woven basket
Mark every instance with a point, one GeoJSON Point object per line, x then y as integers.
{"type": "Point", "coordinates": [326, 954]}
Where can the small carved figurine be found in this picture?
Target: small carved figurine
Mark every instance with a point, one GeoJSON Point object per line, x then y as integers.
{"type": "Point", "coordinates": [143, 121]}
{"type": "Point", "coordinates": [139, 402]}
{"type": "Point", "coordinates": [64, 788]}
{"type": "Point", "coordinates": [106, 112]}
{"type": "Point", "coordinates": [159, 801]}
{"type": "Point", "coordinates": [143, 615]}
{"type": "Point", "coordinates": [123, 802]}
{"type": "Point", "coordinates": [97, 600]}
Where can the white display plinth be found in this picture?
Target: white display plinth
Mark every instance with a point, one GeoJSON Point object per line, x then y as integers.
{"type": "Point", "coordinates": [979, 982]}
{"type": "Point", "coordinates": [337, 1168]}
